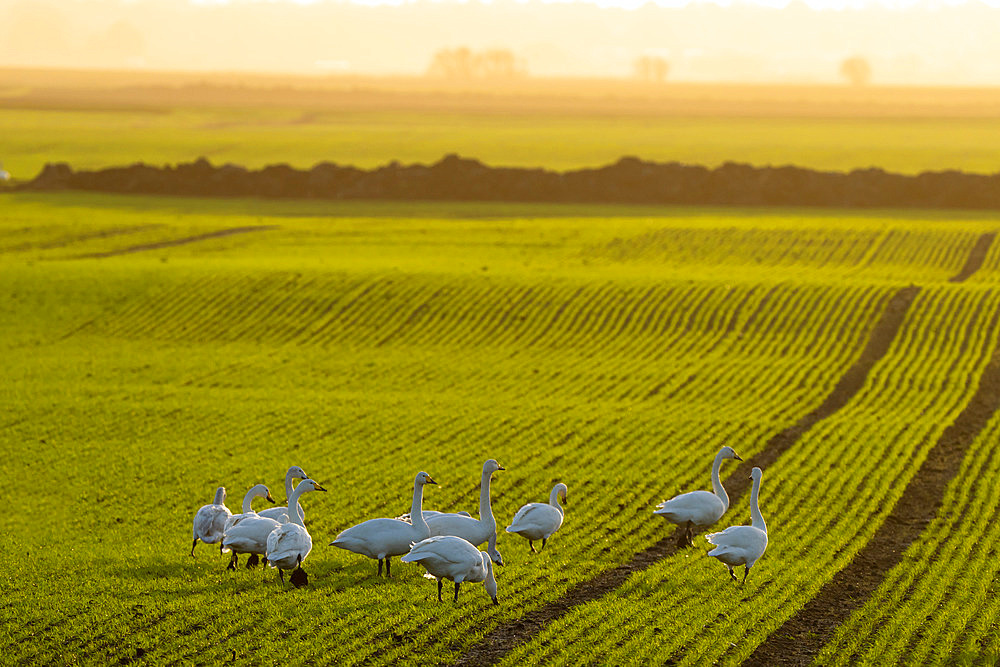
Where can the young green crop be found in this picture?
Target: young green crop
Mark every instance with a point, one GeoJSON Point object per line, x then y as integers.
{"type": "Point", "coordinates": [365, 342]}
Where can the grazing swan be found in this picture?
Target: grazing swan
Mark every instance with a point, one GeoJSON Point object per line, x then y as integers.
{"type": "Point", "coordinates": [475, 531]}
{"type": "Point", "coordinates": [537, 521]}
{"type": "Point", "coordinates": [742, 545]}
{"type": "Point", "coordinates": [275, 513]}
{"type": "Point", "coordinates": [384, 538]}
{"type": "Point", "coordinates": [453, 558]}
{"type": "Point", "coordinates": [290, 543]}
{"type": "Point", "coordinates": [247, 532]}
{"type": "Point", "coordinates": [698, 508]}
{"type": "Point", "coordinates": [210, 520]}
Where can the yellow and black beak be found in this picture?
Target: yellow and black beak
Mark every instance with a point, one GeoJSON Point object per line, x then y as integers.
{"type": "Point", "coordinates": [430, 480]}
{"type": "Point", "coordinates": [269, 498]}
{"type": "Point", "coordinates": [500, 467]}
{"type": "Point", "coordinates": [737, 456]}
{"type": "Point", "coordinates": [317, 487]}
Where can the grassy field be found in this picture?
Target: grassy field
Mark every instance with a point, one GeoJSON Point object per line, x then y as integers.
{"type": "Point", "coordinates": [95, 120]}
{"type": "Point", "coordinates": [157, 348]}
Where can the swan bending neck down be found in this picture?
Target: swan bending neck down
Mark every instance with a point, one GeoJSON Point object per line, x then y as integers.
{"type": "Point", "coordinates": [384, 538]}
{"type": "Point", "coordinates": [247, 532]}
{"type": "Point", "coordinates": [743, 545]}
{"type": "Point", "coordinates": [290, 543]}
{"type": "Point", "coordinates": [698, 508]}
{"type": "Point", "coordinates": [294, 472]}
{"type": "Point", "coordinates": [454, 558]}
{"type": "Point", "coordinates": [474, 531]}
{"type": "Point", "coordinates": [210, 520]}
{"type": "Point", "coordinates": [538, 521]}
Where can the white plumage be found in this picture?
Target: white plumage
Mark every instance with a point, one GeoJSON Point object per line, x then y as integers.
{"type": "Point", "coordinates": [454, 558]}
{"type": "Point", "coordinates": [698, 508]}
{"type": "Point", "coordinates": [475, 531]}
{"type": "Point", "coordinates": [246, 533]}
{"type": "Point", "coordinates": [742, 545]}
{"type": "Point", "coordinates": [537, 521]}
{"type": "Point", "coordinates": [276, 513]}
{"type": "Point", "coordinates": [384, 538]}
{"type": "Point", "coordinates": [210, 520]}
{"type": "Point", "coordinates": [290, 543]}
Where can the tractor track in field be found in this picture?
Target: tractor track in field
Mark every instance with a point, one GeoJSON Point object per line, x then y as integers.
{"type": "Point", "coordinates": [801, 637]}
{"type": "Point", "coordinates": [496, 644]}
{"type": "Point", "coordinates": [174, 242]}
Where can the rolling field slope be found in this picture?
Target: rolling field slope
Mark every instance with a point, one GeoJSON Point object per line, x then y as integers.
{"type": "Point", "coordinates": [156, 349]}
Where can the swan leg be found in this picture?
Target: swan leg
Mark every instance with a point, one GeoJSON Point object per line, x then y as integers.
{"type": "Point", "coordinates": [299, 577]}
{"type": "Point", "coordinates": [252, 561]}
{"type": "Point", "coordinates": [543, 542]}
{"type": "Point", "coordinates": [731, 575]}
{"type": "Point", "coordinates": [388, 574]}
{"type": "Point", "coordinates": [380, 567]}
{"type": "Point", "coordinates": [681, 538]}
{"type": "Point", "coordinates": [281, 575]}
{"type": "Point", "coordinates": [456, 591]}
{"type": "Point", "coordinates": [440, 586]}
{"type": "Point", "coordinates": [192, 546]}
{"type": "Point", "coordinates": [745, 574]}
{"type": "Point", "coordinates": [232, 562]}
{"type": "Point", "coordinates": [690, 534]}
{"type": "Point", "coordinates": [532, 545]}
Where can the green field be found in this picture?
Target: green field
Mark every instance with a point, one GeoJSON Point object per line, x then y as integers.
{"type": "Point", "coordinates": [258, 137]}
{"type": "Point", "coordinates": [151, 356]}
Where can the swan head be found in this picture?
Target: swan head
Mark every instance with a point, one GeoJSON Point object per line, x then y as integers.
{"type": "Point", "coordinates": [491, 467]}
{"type": "Point", "coordinates": [296, 472]}
{"type": "Point", "coordinates": [729, 453]}
{"type": "Point", "coordinates": [311, 485]}
{"type": "Point", "coordinates": [756, 474]}
{"type": "Point", "coordinates": [424, 478]}
{"type": "Point", "coordinates": [560, 488]}
{"type": "Point", "coordinates": [260, 491]}
{"type": "Point", "coordinates": [491, 581]}
{"type": "Point", "coordinates": [491, 551]}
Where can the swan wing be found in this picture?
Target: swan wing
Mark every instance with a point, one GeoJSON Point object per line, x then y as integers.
{"type": "Point", "coordinates": [537, 518]}
{"type": "Point", "coordinates": [700, 507]}
{"type": "Point", "coordinates": [472, 530]}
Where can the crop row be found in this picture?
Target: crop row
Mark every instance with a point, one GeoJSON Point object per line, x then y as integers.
{"type": "Point", "coordinates": [822, 501]}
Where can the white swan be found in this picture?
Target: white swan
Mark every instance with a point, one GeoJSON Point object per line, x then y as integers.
{"type": "Point", "coordinates": [384, 538]}
{"type": "Point", "coordinates": [742, 545]}
{"type": "Point", "coordinates": [698, 508]}
{"type": "Point", "coordinates": [455, 559]}
{"type": "Point", "coordinates": [247, 532]}
{"type": "Point", "coordinates": [290, 543]}
{"type": "Point", "coordinates": [474, 531]}
{"type": "Point", "coordinates": [275, 513]}
{"type": "Point", "coordinates": [537, 521]}
{"type": "Point", "coordinates": [210, 520]}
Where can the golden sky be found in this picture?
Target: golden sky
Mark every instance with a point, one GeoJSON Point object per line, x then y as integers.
{"type": "Point", "coordinates": [931, 42]}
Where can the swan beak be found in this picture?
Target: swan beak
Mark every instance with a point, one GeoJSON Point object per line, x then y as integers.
{"type": "Point", "coordinates": [500, 467]}
{"type": "Point", "coordinates": [317, 487]}
{"type": "Point", "coordinates": [430, 481]}
{"type": "Point", "coordinates": [269, 498]}
{"type": "Point", "coordinates": [737, 456]}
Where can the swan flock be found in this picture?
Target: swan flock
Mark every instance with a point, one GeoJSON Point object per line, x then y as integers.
{"type": "Point", "coordinates": [446, 543]}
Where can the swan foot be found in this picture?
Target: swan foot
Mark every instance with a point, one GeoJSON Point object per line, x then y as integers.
{"type": "Point", "coordinates": [440, 586]}
{"type": "Point", "coordinates": [232, 562]}
{"type": "Point", "coordinates": [252, 561]}
{"type": "Point", "coordinates": [299, 578]}
{"type": "Point", "coordinates": [532, 545]}
{"type": "Point", "coordinates": [388, 574]}
{"type": "Point", "coordinates": [732, 575]}
{"type": "Point", "coordinates": [456, 591]}
{"type": "Point", "coordinates": [192, 546]}
{"type": "Point", "coordinates": [263, 564]}
{"type": "Point", "coordinates": [543, 542]}
{"type": "Point", "coordinates": [380, 567]}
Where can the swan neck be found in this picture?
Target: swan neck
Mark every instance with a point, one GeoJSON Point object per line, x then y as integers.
{"type": "Point", "coordinates": [756, 519]}
{"type": "Point", "coordinates": [248, 499]}
{"type": "Point", "coordinates": [485, 508]}
{"type": "Point", "coordinates": [717, 483]}
{"type": "Point", "coordinates": [294, 509]}
{"type": "Point", "coordinates": [220, 496]}
{"type": "Point", "coordinates": [554, 499]}
{"type": "Point", "coordinates": [288, 486]}
{"type": "Point", "coordinates": [417, 508]}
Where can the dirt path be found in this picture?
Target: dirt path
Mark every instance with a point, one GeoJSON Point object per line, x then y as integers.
{"type": "Point", "coordinates": [175, 242]}
{"type": "Point", "coordinates": [976, 258]}
{"type": "Point", "coordinates": [496, 644]}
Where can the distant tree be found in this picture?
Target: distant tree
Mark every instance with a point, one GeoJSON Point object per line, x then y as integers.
{"type": "Point", "coordinates": [856, 70]}
{"type": "Point", "coordinates": [462, 64]}
{"type": "Point", "coordinates": [651, 68]}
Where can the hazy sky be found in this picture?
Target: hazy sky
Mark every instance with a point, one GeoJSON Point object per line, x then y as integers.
{"type": "Point", "coordinates": [933, 42]}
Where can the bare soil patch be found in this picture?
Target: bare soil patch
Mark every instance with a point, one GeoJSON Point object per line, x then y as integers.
{"type": "Point", "coordinates": [976, 258]}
